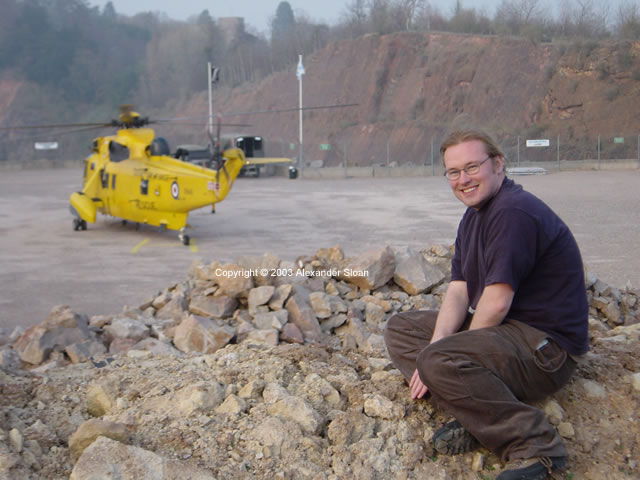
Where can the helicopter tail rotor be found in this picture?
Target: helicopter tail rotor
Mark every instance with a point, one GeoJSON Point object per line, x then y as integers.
{"type": "Point", "coordinates": [217, 160]}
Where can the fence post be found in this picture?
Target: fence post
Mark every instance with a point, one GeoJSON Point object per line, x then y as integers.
{"type": "Point", "coordinates": [638, 149]}
{"type": "Point", "coordinates": [345, 158]}
{"type": "Point", "coordinates": [598, 152]}
{"type": "Point", "coordinates": [433, 166]}
{"type": "Point", "coordinates": [518, 152]}
{"type": "Point", "coordinates": [558, 151]}
{"type": "Point", "coordinates": [388, 171]}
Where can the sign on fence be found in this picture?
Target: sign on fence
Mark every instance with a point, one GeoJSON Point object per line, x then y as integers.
{"type": "Point", "coordinates": [325, 146]}
{"type": "Point", "coordinates": [618, 139]}
{"type": "Point", "coordinates": [46, 145]}
{"type": "Point", "coordinates": [538, 143]}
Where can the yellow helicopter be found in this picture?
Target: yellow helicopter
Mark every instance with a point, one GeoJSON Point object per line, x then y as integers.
{"type": "Point", "coordinates": [132, 175]}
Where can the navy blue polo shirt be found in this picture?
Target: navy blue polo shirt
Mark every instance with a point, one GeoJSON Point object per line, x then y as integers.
{"type": "Point", "coordinates": [515, 238]}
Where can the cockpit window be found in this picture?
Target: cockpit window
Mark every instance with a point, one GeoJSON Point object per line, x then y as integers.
{"type": "Point", "coordinates": [160, 146]}
{"type": "Point", "coordinates": [117, 152]}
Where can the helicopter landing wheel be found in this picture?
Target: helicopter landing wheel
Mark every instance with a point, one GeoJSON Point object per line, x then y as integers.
{"type": "Point", "coordinates": [79, 224]}
{"type": "Point", "coordinates": [184, 238]}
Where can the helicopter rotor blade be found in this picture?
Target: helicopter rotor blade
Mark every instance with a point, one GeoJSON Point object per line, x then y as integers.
{"type": "Point", "coordinates": [57, 125]}
{"type": "Point", "coordinates": [180, 124]}
{"type": "Point", "coordinates": [292, 109]}
{"type": "Point", "coordinates": [55, 134]}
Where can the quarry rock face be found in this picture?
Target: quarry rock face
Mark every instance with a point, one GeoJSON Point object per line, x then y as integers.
{"type": "Point", "coordinates": [285, 377]}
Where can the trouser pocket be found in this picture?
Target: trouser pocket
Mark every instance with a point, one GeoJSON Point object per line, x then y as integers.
{"type": "Point", "coordinates": [549, 356]}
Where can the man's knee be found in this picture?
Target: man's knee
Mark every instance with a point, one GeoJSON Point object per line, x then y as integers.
{"type": "Point", "coordinates": [435, 364]}
{"type": "Point", "coordinates": [395, 335]}
{"type": "Point", "coordinates": [393, 326]}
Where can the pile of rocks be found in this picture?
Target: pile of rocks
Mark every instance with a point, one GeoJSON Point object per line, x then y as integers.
{"type": "Point", "coordinates": [271, 369]}
{"type": "Point", "coordinates": [259, 300]}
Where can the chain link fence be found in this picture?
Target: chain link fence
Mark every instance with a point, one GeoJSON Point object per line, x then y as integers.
{"type": "Point", "coordinates": [412, 153]}
{"type": "Point", "coordinates": [421, 155]}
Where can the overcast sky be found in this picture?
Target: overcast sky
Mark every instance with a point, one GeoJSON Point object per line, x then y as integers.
{"type": "Point", "coordinates": [258, 13]}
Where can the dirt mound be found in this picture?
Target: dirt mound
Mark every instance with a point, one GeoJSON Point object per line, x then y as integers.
{"type": "Point", "coordinates": [210, 383]}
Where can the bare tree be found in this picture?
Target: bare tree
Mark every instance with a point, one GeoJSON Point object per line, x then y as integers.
{"type": "Point", "coordinates": [628, 20]}
{"type": "Point", "coordinates": [407, 10]}
{"type": "Point", "coordinates": [429, 17]}
{"type": "Point", "coordinates": [516, 15]}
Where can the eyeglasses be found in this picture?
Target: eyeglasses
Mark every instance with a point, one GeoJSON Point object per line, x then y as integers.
{"type": "Point", "coordinates": [471, 169]}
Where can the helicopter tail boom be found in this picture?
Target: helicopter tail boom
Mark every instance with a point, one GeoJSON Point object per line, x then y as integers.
{"type": "Point", "coordinates": [82, 207]}
{"type": "Point", "coordinates": [228, 170]}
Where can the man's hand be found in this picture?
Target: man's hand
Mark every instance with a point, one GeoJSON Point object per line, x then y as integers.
{"type": "Point", "coordinates": [418, 389]}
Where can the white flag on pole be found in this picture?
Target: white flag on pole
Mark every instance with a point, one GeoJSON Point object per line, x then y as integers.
{"type": "Point", "coordinates": [300, 70]}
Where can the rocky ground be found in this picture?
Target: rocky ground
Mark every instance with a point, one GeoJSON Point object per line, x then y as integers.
{"type": "Point", "coordinates": [267, 369]}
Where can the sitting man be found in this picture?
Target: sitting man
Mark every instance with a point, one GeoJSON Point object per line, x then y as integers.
{"type": "Point", "coordinates": [512, 321]}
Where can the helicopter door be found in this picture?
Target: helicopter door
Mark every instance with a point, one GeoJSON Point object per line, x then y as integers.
{"type": "Point", "coordinates": [144, 186]}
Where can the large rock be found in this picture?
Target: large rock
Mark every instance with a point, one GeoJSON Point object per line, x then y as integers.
{"type": "Point", "coordinates": [81, 352]}
{"type": "Point", "coordinates": [101, 397]}
{"type": "Point", "coordinates": [234, 280]}
{"type": "Point", "coordinates": [296, 409]}
{"type": "Point", "coordinates": [280, 296]}
{"type": "Point", "coordinates": [275, 320]}
{"type": "Point", "coordinates": [174, 308]}
{"type": "Point", "coordinates": [379, 406]}
{"type": "Point", "coordinates": [330, 257]}
{"type": "Point", "coordinates": [353, 333]}
{"type": "Point", "coordinates": [106, 458]}
{"type": "Point", "coordinates": [213, 307]}
{"type": "Point", "coordinates": [414, 274]}
{"type": "Point", "coordinates": [259, 296]}
{"type": "Point", "coordinates": [202, 397]}
{"type": "Point", "coordinates": [370, 270]}
{"type": "Point", "coordinates": [302, 315]}
{"type": "Point", "coordinates": [127, 328]}
{"type": "Point", "coordinates": [268, 337]}
{"type": "Point", "coordinates": [62, 328]}
{"type": "Point", "coordinates": [263, 269]}
{"type": "Point", "coordinates": [90, 430]}
{"type": "Point", "coordinates": [350, 427]}
{"type": "Point", "coordinates": [201, 335]}
{"type": "Point", "coordinates": [320, 303]}
{"type": "Point", "coordinates": [291, 333]}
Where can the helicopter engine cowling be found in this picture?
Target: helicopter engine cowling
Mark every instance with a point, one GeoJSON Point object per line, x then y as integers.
{"type": "Point", "coordinates": [83, 207]}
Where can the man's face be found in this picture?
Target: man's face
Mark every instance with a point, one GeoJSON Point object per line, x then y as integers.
{"type": "Point", "coordinates": [474, 190]}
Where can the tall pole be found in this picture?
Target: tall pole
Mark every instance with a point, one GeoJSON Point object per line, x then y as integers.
{"type": "Point", "coordinates": [210, 84]}
{"type": "Point", "coordinates": [299, 73]}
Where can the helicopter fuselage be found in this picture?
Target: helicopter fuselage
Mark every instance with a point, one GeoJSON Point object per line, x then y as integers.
{"type": "Point", "coordinates": [123, 179]}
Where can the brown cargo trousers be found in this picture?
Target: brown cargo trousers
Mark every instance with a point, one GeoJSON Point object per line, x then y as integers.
{"type": "Point", "coordinates": [482, 376]}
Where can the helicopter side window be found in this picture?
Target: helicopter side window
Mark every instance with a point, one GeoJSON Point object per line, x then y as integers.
{"type": "Point", "coordinates": [104, 179]}
{"type": "Point", "coordinates": [117, 152]}
{"type": "Point", "coordinates": [113, 181]}
{"type": "Point", "coordinates": [144, 186]}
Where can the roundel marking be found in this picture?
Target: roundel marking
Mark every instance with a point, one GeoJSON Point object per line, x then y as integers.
{"type": "Point", "coordinates": [175, 190]}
